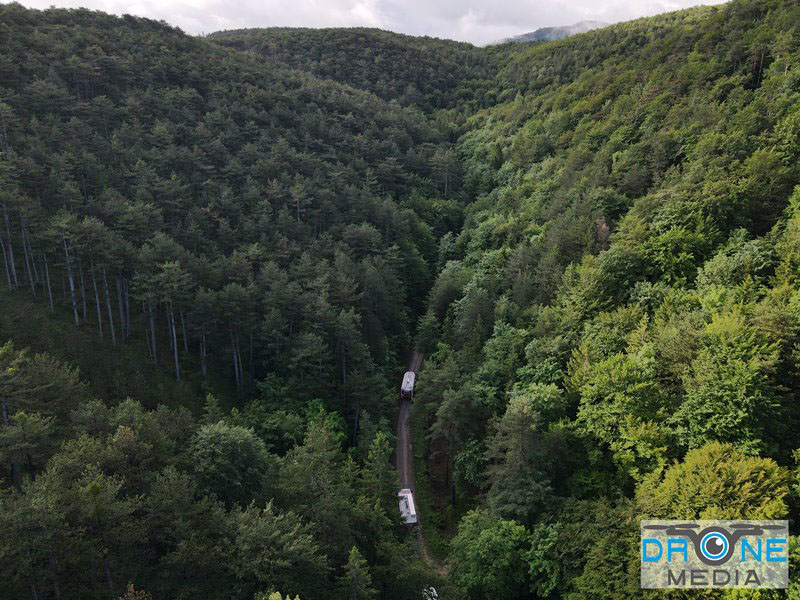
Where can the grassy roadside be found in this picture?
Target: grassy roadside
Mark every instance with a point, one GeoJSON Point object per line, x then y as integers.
{"type": "Point", "coordinates": [439, 525]}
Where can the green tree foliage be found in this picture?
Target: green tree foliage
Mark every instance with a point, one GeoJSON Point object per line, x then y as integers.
{"type": "Point", "coordinates": [519, 473]}
{"type": "Point", "coordinates": [230, 462]}
{"type": "Point", "coordinates": [594, 242]}
{"type": "Point", "coordinates": [356, 582]}
{"type": "Point", "coordinates": [276, 549]}
{"type": "Point", "coordinates": [717, 481]}
{"type": "Point", "coordinates": [488, 557]}
{"type": "Point", "coordinates": [425, 72]}
{"type": "Point", "coordinates": [632, 243]}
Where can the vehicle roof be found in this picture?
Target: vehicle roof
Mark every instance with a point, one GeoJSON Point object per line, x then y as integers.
{"type": "Point", "coordinates": [408, 380]}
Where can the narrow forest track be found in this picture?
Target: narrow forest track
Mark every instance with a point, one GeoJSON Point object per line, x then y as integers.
{"type": "Point", "coordinates": [404, 463]}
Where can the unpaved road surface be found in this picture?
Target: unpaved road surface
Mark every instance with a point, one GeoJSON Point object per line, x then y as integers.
{"type": "Point", "coordinates": [404, 463]}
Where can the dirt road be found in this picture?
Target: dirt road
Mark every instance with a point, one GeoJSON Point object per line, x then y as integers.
{"type": "Point", "coordinates": [405, 464]}
{"type": "Point", "coordinates": [405, 455]}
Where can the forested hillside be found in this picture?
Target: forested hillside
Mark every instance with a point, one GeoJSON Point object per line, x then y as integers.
{"type": "Point", "coordinates": [428, 73]}
{"type": "Point", "coordinates": [263, 236]}
{"type": "Point", "coordinates": [218, 251]}
{"type": "Point", "coordinates": [615, 334]}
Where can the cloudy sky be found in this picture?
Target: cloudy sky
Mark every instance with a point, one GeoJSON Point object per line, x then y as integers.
{"type": "Point", "coordinates": [477, 21]}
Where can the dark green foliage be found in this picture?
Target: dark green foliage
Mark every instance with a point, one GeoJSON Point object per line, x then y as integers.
{"type": "Point", "coordinates": [356, 582]}
{"type": "Point", "coordinates": [426, 72]}
{"type": "Point", "coordinates": [230, 463]}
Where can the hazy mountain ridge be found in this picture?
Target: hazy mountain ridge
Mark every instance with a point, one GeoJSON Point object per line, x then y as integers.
{"type": "Point", "coordinates": [551, 34]}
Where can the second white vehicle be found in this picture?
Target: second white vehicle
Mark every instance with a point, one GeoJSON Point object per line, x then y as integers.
{"type": "Point", "coordinates": [407, 509]}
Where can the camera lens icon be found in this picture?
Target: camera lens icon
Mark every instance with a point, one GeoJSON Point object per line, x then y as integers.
{"type": "Point", "coordinates": [715, 546]}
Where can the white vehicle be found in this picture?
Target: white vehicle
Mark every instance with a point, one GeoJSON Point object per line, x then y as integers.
{"type": "Point", "coordinates": [407, 387]}
{"type": "Point", "coordinates": [407, 509]}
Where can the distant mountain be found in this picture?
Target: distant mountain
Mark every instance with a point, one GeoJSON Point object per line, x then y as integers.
{"type": "Point", "coordinates": [550, 34]}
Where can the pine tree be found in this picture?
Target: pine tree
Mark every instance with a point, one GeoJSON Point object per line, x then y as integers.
{"type": "Point", "coordinates": [356, 582]}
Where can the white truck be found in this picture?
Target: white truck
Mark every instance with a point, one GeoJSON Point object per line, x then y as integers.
{"type": "Point", "coordinates": [407, 509]}
{"type": "Point", "coordinates": [408, 385]}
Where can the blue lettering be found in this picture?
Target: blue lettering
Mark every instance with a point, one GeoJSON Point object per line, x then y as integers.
{"type": "Point", "coordinates": [774, 547]}
{"type": "Point", "coordinates": [757, 554]}
{"type": "Point", "coordinates": [677, 546]}
{"type": "Point", "coordinates": [653, 542]}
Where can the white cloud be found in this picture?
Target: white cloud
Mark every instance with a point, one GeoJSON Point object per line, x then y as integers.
{"type": "Point", "coordinates": [477, 21]}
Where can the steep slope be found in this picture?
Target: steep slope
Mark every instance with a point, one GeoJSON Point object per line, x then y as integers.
{"type": "Point", "coordinates": [623, 295]}
{"type": "Point", "coordinates": [426, 72]}
{"type": "Point", "coordinates": [244, 227]}
{"type": "Point", "coordinates": [206, 185]}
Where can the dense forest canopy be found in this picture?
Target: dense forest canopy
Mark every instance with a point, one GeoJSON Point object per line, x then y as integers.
{"type": "Point", "coordinates": [218, 251]}
{"type": "Point", "coordinates": [424, 72]}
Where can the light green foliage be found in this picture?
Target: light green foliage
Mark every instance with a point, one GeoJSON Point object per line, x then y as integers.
{"type": "Point", "coordinates": [716, 481]}
{"type": "Point", "coordinates": [487, 557]}
{"type": "Point", "coordinates": [623, 406]}
{"type": "Point", "coordinates": [729, 394]}
{"type": "Point", "coordinates": [27, 441]}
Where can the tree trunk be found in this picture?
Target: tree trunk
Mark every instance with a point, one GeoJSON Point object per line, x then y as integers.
{"type": "Point", "coordinates": [83, 291]}
{"type": "Point", "coordinates": [27, 260]}
{"type": "Point", "coordinates": [5, 262]}
{"type": "Point", "coordinates": [122, 324]}
{"type": "Point", "coordinates": [344, 366]}
{"type": "Point", "coordinates": [171, 320]}
{"type": "Point", "coordinates": [239, 354]}
{"type": "Point", "coordinates": [152, 331]}
{"type": "Point", "coordinates": [147, 338]}
{"type": "Point", "coordinates": [169, 332]}
{"type": "Point", "coordinates": [355, 428]}
{"type": "Point", "coordinates": [108, 308]}
{"type": "Point", "coordinates": [108, 579]}
{"type": "Point", "coordinates": [4, 132]}
{"type": "Point", "coordinates": [47, 278]}
{"type": "Point", "coordinates": [203, 368]}
{"type": "Point", "coordinates": [183, 330]}
{"type": "Point", "coordinates": [53, 574]}
{"type": "Point", "coordinates": [235, 360]}
{"type": "Point", "coordinates": [127, 308]}
{"type": "Point", "coordinates": [36, 275]}
{"type": "Point", "coordinates": [252, 369]}
{"type": "Point", "coordinates": [10, 248]}
{"type": "Point", "coordinates": [71, 280]}
{"type": "Point", "coordinates": [97, 303]}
